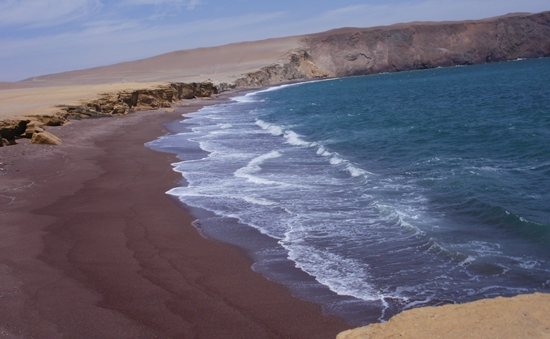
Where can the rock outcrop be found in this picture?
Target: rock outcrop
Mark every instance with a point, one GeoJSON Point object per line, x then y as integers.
{"type": "Point", "coordinates": [119, 103]}
{"type": "Point", "coordinates": [124, 102]}
{"type": "Point", "coordinates": [34, 126]}
{"type": "Point", "coordinates": [427, 45]}
{"type": "Point", "coordinates": [12, 129]}
{"type": "Point", "coordinates": [44, 138]}
{"type": "Point", "coordinates": [297, 65]}
{"type": "Point", "coordinates": [361, 51]}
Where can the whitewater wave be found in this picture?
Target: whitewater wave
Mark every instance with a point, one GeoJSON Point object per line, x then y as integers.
{"type": "Point", "coordinates": [254, 166]}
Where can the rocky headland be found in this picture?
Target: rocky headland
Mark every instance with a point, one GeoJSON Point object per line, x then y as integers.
{"type": "Point", "coordinates": [404, 47]}
{"type": "Point", "coordinates": [347, 52]}
{"type": "Point", "coordinates": [298, 65]}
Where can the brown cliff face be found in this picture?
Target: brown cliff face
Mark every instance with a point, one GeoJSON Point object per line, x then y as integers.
{"type": "Point", "coordinates": [403, 47]}
{"type": "Point", "coordinates": [124, 102]}
{"type": "Point", "coordinates": [347, 52]}
{"type": "Point", "coordinates": [299, 66]}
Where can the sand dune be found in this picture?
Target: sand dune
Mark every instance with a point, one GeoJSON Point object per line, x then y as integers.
{"type": "Point", "coordinates": [219, 64]}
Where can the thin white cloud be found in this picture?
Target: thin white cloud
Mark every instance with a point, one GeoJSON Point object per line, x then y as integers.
{"type": "Point", "coordinates": [430, 10]}
{"type": "Point", "coordinates": [100, 28]}
{"type": "Point", "coordinates": [189, 4]}
{"type": "Point", "coordinates": [44, 12]}
{"type": "Point", "coordinates": [109, 41]}
{"type": "Point", "coordinates": [107, 34]}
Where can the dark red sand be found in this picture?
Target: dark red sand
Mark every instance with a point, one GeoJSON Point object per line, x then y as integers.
{"type": "Point", "coordinates": [92, 247]}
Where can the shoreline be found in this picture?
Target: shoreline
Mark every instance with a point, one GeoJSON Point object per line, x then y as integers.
{"type": "Point", "coordinates": [95, 248]}
{"type": "Point", "coordinates": [268, 256]}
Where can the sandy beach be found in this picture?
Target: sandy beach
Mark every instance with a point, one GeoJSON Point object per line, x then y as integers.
{"type": "Point", "coordinates": [92, 247]}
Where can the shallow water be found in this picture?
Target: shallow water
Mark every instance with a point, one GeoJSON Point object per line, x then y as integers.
{"type": "Point", "coordinates": [380, 193]}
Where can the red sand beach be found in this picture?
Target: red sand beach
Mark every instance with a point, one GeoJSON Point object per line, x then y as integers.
{"type": "Point", "coordinates": [92, 247]}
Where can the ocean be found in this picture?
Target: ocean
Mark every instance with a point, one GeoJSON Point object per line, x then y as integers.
{"type": "Point", "coordinates": [375, 194]}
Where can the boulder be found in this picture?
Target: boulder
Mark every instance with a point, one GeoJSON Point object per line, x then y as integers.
{"type": "Point", "coordinates": [224, 86]}
{"type": "Point", "coordinates": [120, 109]}
{"type": "Point", "coordinates": [45, 138]}
{"type": "Point", "coordinates": [53, 120]}
{"type": "Point", "coordinates": [34, 126]}
{"type": "Point", "coordinates": [12, 129]}
{"type": "Point", "coordinates": [193, 90]}
{"type": "Point", "coordinates": [187, 93]}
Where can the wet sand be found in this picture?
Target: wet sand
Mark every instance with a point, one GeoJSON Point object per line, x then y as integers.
{"type": "Point", "coordinates": [92, 247]}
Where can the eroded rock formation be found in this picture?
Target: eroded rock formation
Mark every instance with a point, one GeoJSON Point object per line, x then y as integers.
{"type": "Point", "coordinates": [44, 138]}
{"type": "Point", "coordinates": [123, 102]}
{"type": "Point", "coordinates": [11, 129]}
{"type": "Point", "coordinates": [29, 128]}
{"type": "Point", "coordinates": [428, 45]}
{"type": "Point", "coordinates": [298, 66]}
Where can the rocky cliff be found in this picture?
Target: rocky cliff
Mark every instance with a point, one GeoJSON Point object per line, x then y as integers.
{"type": "Point", "coordinates": [296, 65]}
{"type": "Point", "coordinates": [403, 47]}
{"type": "Point", "coordinates": [124, 102]}
{"type": "Point", "coordinates": [119, 103]}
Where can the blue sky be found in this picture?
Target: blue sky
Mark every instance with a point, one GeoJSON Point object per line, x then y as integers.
{"type": "Point", "coordinates": [48, 36]}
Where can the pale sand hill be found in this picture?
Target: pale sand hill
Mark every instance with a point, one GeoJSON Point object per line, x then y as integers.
{"type": "Point", "coordinates": [521, 317]}
{"type": "Point", "coordinates": [221, 64]}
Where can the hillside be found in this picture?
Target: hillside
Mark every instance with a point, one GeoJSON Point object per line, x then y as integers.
{"type": "Point", "coordinates": [336, 53]}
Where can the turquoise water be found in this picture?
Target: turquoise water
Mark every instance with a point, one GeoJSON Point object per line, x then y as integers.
{"type": "Point", "coordinates": [390, 191]}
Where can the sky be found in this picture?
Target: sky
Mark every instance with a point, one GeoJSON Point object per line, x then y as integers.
{"type": "Point", "coordinates": [40, 37]}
